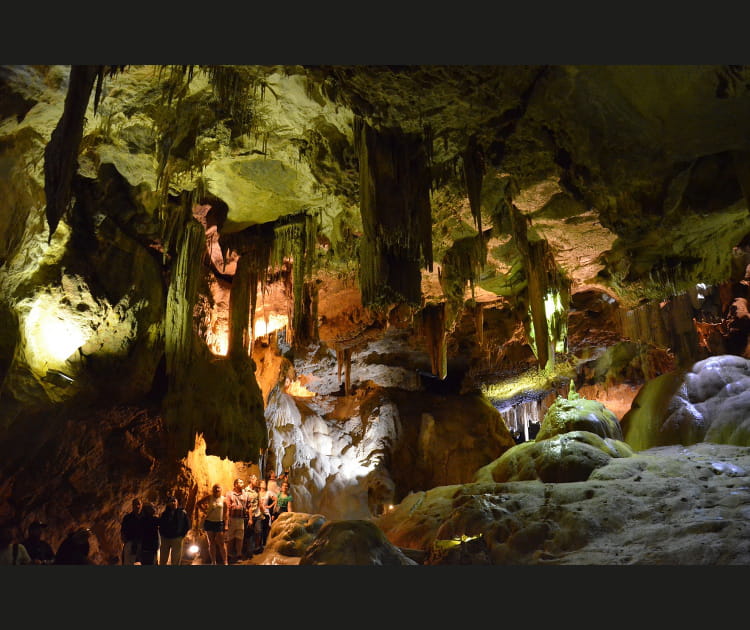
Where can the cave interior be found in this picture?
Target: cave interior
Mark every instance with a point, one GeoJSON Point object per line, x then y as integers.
{"type": "Point", "coordinates": [452, 301]}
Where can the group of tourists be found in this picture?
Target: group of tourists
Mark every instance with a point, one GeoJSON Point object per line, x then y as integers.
{"type": "Point", "coordinates": [35, 550]}
{"type": "Point", "coordinates": [236, 524]}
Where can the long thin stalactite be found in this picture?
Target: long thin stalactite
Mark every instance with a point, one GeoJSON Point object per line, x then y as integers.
{"type": "Point", "coordinates": [61, 153]}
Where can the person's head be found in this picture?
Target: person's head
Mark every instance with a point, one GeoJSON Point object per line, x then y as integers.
{"type": "Point", "coordinates": [35, 530]}
{"type": "Point", "coordinates": [285, 486]}
{"type": "Point", "coordinates": [239, 484]}
{"type": "Point", "coordinates": [263, 485]}
{"type": "Point", "coordinates": [271, 475]}
{"type": "Point", "coordinates": [216, 490]}
{"type": "Point", "coordinates": [148, 509]}
{"type": "Point", "coordinates": [137, 505]}
{"type": "Point", "coordinates": [253, 482]}
{"type": "Point", "coordinates": [172, 502]}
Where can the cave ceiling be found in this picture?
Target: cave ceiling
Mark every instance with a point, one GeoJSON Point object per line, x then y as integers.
{"type": "Point", "coordinates": [634, 176]}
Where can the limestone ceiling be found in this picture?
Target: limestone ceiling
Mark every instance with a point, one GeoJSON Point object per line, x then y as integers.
{"type": "Point", "coordinates": [634, 174]}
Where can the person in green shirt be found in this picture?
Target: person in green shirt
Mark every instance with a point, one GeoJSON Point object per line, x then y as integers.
{"type": "Point", "coordinates": [284, 499]}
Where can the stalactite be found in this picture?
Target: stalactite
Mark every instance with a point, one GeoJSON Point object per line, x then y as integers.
{"type": "Point", "coordinates": [479, 323]}
{"type": "Point", "coordinates": [308, 327]}
{"type": "Point", "coordinates": [473, 173]}
{"type": "Point", "coordinates": [61, 153]}
{"type": "Point", "coordinates": [180, 334]}
{"type": "Point", "coordinates": [344, 363]}
{"type": "Point", "coordinates": [339, 361]}
{"type": "Point", "coordinates": [239, 309]}
{"type": "Point", "coordinates": [463, 264]}
{"type": "Point", "coordinates": [255, 246]}
{"type": "Point", "coordinates": [544, 281]}
{"type": "Point", "coordinates": [433, 325]}
{"type": "Point", "coordinates": [173, 220]}
{"type": "Point", "coordinates": [347, 370]}
{"type": "Point", "coordinates": [181, 299]}
{"type": "Point", "coordinates": [396, 215]}
{"type": "Point", "coordinates": [295, 237]}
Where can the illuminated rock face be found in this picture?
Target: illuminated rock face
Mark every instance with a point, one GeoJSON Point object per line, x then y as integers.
{"type": "Point", "coordinates": [349, 542]}
{"type": "Point", "coordinates": [670, 505]}
{"type": "Point", "coordinates": [709, 403]}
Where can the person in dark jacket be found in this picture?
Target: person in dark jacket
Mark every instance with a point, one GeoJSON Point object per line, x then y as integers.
{"type": "Point", "coordinates": [150, 534]}
{"type": "Point", "coordinates": [131, 533]}
{"type": "Point", "coordinates": [75, 548]}
{"type": "Point", "coordinates": [174, 525]}
{"type": "Point", "coordinates": [39, 550]}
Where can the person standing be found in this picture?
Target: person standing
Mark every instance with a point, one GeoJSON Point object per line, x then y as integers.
{"type": "Point", "coordinates": [273, 484]}
{"type": "Point", "coordinates": [215, 523]}
{"type": "Point", "coordinates": [12, 552]}
{"type": "Point", "coordinates": [40, 551]}
{"type": "Point", "coordinates": [150, 535]}
{"type": "Point", "coordinates": [75, 548]}
{"type": "Point", "coordinates": [267, 505]}
{"type": "Point", "coordinates": [131, 533]}
{"type": "Point", "coordinates": [254, 532]}
{"type": "Point", "coordinates": [284, 500]}
{"type": "Point", "coordinates": [237, 506]}
{"type": "Point", "coordinates": [174, 525]}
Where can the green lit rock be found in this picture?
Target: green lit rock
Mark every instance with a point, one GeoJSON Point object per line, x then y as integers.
{"type": "Point", "coordinates": [579, 414]}
{"type": "Point", "coordinates": [571, 456]}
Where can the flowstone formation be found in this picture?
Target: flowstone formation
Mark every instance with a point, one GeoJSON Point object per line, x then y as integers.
{"type": "Point", "coordinates": [708, 403]}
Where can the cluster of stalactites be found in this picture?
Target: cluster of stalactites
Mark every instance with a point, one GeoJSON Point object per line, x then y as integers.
{"type": "Point", "coordinates": [255, 246]}
{"type": "Point", "coordinates": [473, 162]}
{"type": "Point", "coordinates": [396, 215]}
{"type": "Point", "coordinates": [261, 248]}
{"type": "Point", "coordinates": [295, 238]}
{"type": "Point", "coordinates": [544, 280]}
{"type": "Point", "coordinates": [462, 265]}
{"type": "Point", "coordinates": [181, 298]}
